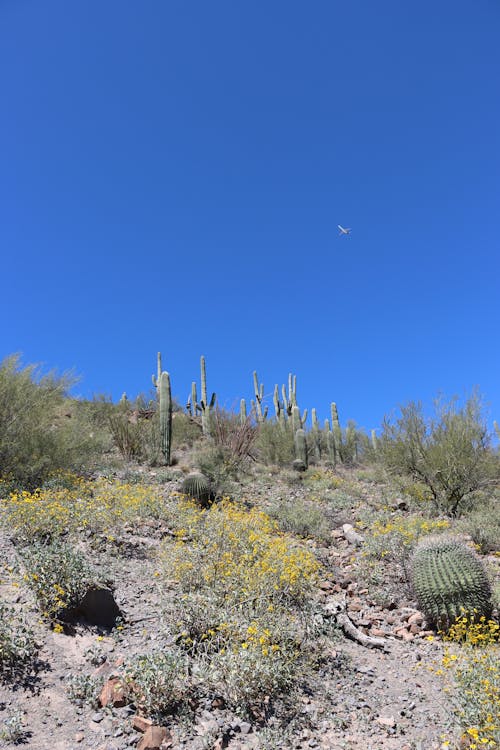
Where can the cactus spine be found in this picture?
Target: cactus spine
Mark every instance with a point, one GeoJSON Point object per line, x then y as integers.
{"type": "Point", "coordinates": [449, 581]}
{"type": "Point", "coordinates": [165, 396]}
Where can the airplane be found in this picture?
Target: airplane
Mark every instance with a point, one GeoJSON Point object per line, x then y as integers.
{"type": "Point", "coordinates": [342, 230]}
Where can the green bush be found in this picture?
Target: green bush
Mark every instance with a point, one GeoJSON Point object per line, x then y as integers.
{"type": "Point", "coordinates": [449, 452]}
{"type": "Point", "coordinates": [275, 444]}
{"type": "Point", "coordinates": [38, 432]}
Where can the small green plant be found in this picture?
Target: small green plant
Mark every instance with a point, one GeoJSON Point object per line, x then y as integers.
{"type": "Point", "coordinates": [449, 581]}
{"type": "Point", "coordinates": [83, 689]}
{"type": "Point", "coordinates": [158, 682]}
{"type": "Point", "coordinates": [18, 649]}
{"type": "Point", "coordinates": [13, 730]}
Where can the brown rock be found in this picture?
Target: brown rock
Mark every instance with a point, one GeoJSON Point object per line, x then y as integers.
{"type": "Point", "coordinates": [113, 693]}
{"type": "Point", "coordinates": [155, 738]}
{"type": "Point", "coordinates": [414, 628]}
{"type": "Point", "coordinates": [140, 723]}
{"type": "Point", "coordinates": [377, 633]}
{"type": "Point", "coordinates": [416, 618]}
{"type": "Point", "coordinates": [404, 634]}
{"type": "Point", "coordinates": [325, 585]}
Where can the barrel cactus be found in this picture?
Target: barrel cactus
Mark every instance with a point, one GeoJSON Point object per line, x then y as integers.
{"type": "Point", "coordinates": [449, 581]}
{"type": "Point", "coordinates": [197, 486]}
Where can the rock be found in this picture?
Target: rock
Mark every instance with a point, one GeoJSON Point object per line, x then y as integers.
{"type": "Point", "coordinates": [325, 585]}
{"type": "Point", "coordinates": [377, 633]}
{"type": "Point", "coordinates": [387, 722]}
{"type": "Point", "coordinates": [352, 536]}
{"type": "Point", "coordinates": [140, 723]}
{"type": "Point", "coordinates": [79, 737]}
{"type": "Point", "coordinates": [113, 693]}
{"type": "Point", "coordinates": [416, 618]}
{"type": "Point", "coordinates": [155, 738]}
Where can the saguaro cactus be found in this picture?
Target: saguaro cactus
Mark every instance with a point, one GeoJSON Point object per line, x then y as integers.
{"type": "Point", "coordinates": [156, 378]}
{"type": "Point", "coordinates": [260, 414]}
{"type": "Point", "coordinates": [165, 415]}
{"type": "Point", "coordinates": [449, 580]}
{"type": "Point", "coordinates": [206, 407]}
{"type": "Point", "coordinates": [301, 447]}
{"type": "Point", "coordinates": [337, 431]}
{"type": "Point", "coordinates": [316, 435]}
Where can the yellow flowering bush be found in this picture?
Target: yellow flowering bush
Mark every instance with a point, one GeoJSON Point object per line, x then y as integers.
{"type": "Point", "coordinates": [97, 506]}
{"type": "Point", "coordinates": [239, 554]}
{"type": "Point", "coordinates": [242, 585]}
{"type": "Point", "coordinates": [475, 669]}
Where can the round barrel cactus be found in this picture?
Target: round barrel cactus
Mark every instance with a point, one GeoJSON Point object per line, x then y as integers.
{"type": "Point", "coordinates": [198, 487]}
{"type": "Point", "coordinates": [449, 580]}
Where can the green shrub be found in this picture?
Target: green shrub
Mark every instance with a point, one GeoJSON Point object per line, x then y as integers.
{"type": "Point", "coordinates": [448, 453]}
{"type": "Point", "coordinates": [17, 647]}
{"type": "Point", "coordinates": [275, 444]}
{"type": "Point", "coordinates": [59, 575]}
{"type": "Point", "coordinates": [157, 683]}
{"type": "Point", "coordinates": [38, 435]}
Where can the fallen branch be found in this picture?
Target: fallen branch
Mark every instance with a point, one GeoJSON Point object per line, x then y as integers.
{"type": "Point", "coordinates": [336, 609]}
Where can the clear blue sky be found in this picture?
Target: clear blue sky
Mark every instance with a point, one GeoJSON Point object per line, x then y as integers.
{"type": "Point", "coordinates": [172, 175]}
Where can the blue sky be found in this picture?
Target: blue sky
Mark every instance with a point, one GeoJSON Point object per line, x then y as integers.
{"type": "Point", "coordinates": [172, 175]}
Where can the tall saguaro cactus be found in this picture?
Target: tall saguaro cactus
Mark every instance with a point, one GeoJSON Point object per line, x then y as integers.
{"type": "Point", "coordinates": [165, 395]}
{"type": "Point", "coordinates": [206, 407]}
{"type": "Point", "coordinates": [260, 414]}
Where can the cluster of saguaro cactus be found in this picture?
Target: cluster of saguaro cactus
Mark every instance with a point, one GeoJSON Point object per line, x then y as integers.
{"type": "Point", "coordinates": [449, 581]}
{"type": "Point", "coordinates": [287, 413]}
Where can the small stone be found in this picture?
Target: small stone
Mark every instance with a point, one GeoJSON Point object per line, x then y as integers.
{"type": "Point", "coordinates": [97, 717]}
{"type": "Point", "coordinates": [154, 737]}
{"type": "Point", "coordinates": [79, 737]}
{"type": "Point", "coordinates": [245, 727]}
{"type": "Point", "coordinates": [416, 618]}
{"type": "Point", "coordinates": [388, 722]}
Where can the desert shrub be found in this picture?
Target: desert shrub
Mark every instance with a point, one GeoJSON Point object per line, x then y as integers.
{"type": "Point", "coordinates": [98, 507]}
{"type": "Point", "coordinates": [275, 443]}
{"type": "Point", "coordinates": [243, 587]}
{"type": "Point", "coordinates": [18, 649]}
{"type": "Point", "coordinates": [472, 671]}
{"type": "Point", "coordinates": [134, 427]}
{"type": "Point", "coordinates": [483, 526]}
{"type": "Point", "coordinates": [59, 576]}
{"type": "Point", "coordinates": [157, 682]}
{"type": "Point", "coordinates": [448, 453]}
{"type": "Point", "coordinates": [83, 689]}
{"type": "Point", "coordinates": [13, 729]}
{"type": "Point", "coordinates": [37, 434]}
{"type": "Point", "coordinates": [300, 518]}
{"type": "Point", "coordinates": [185, 430]}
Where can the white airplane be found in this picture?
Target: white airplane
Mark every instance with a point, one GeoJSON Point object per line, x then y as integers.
{"type": "Point", "coordinates": [343, 230]}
